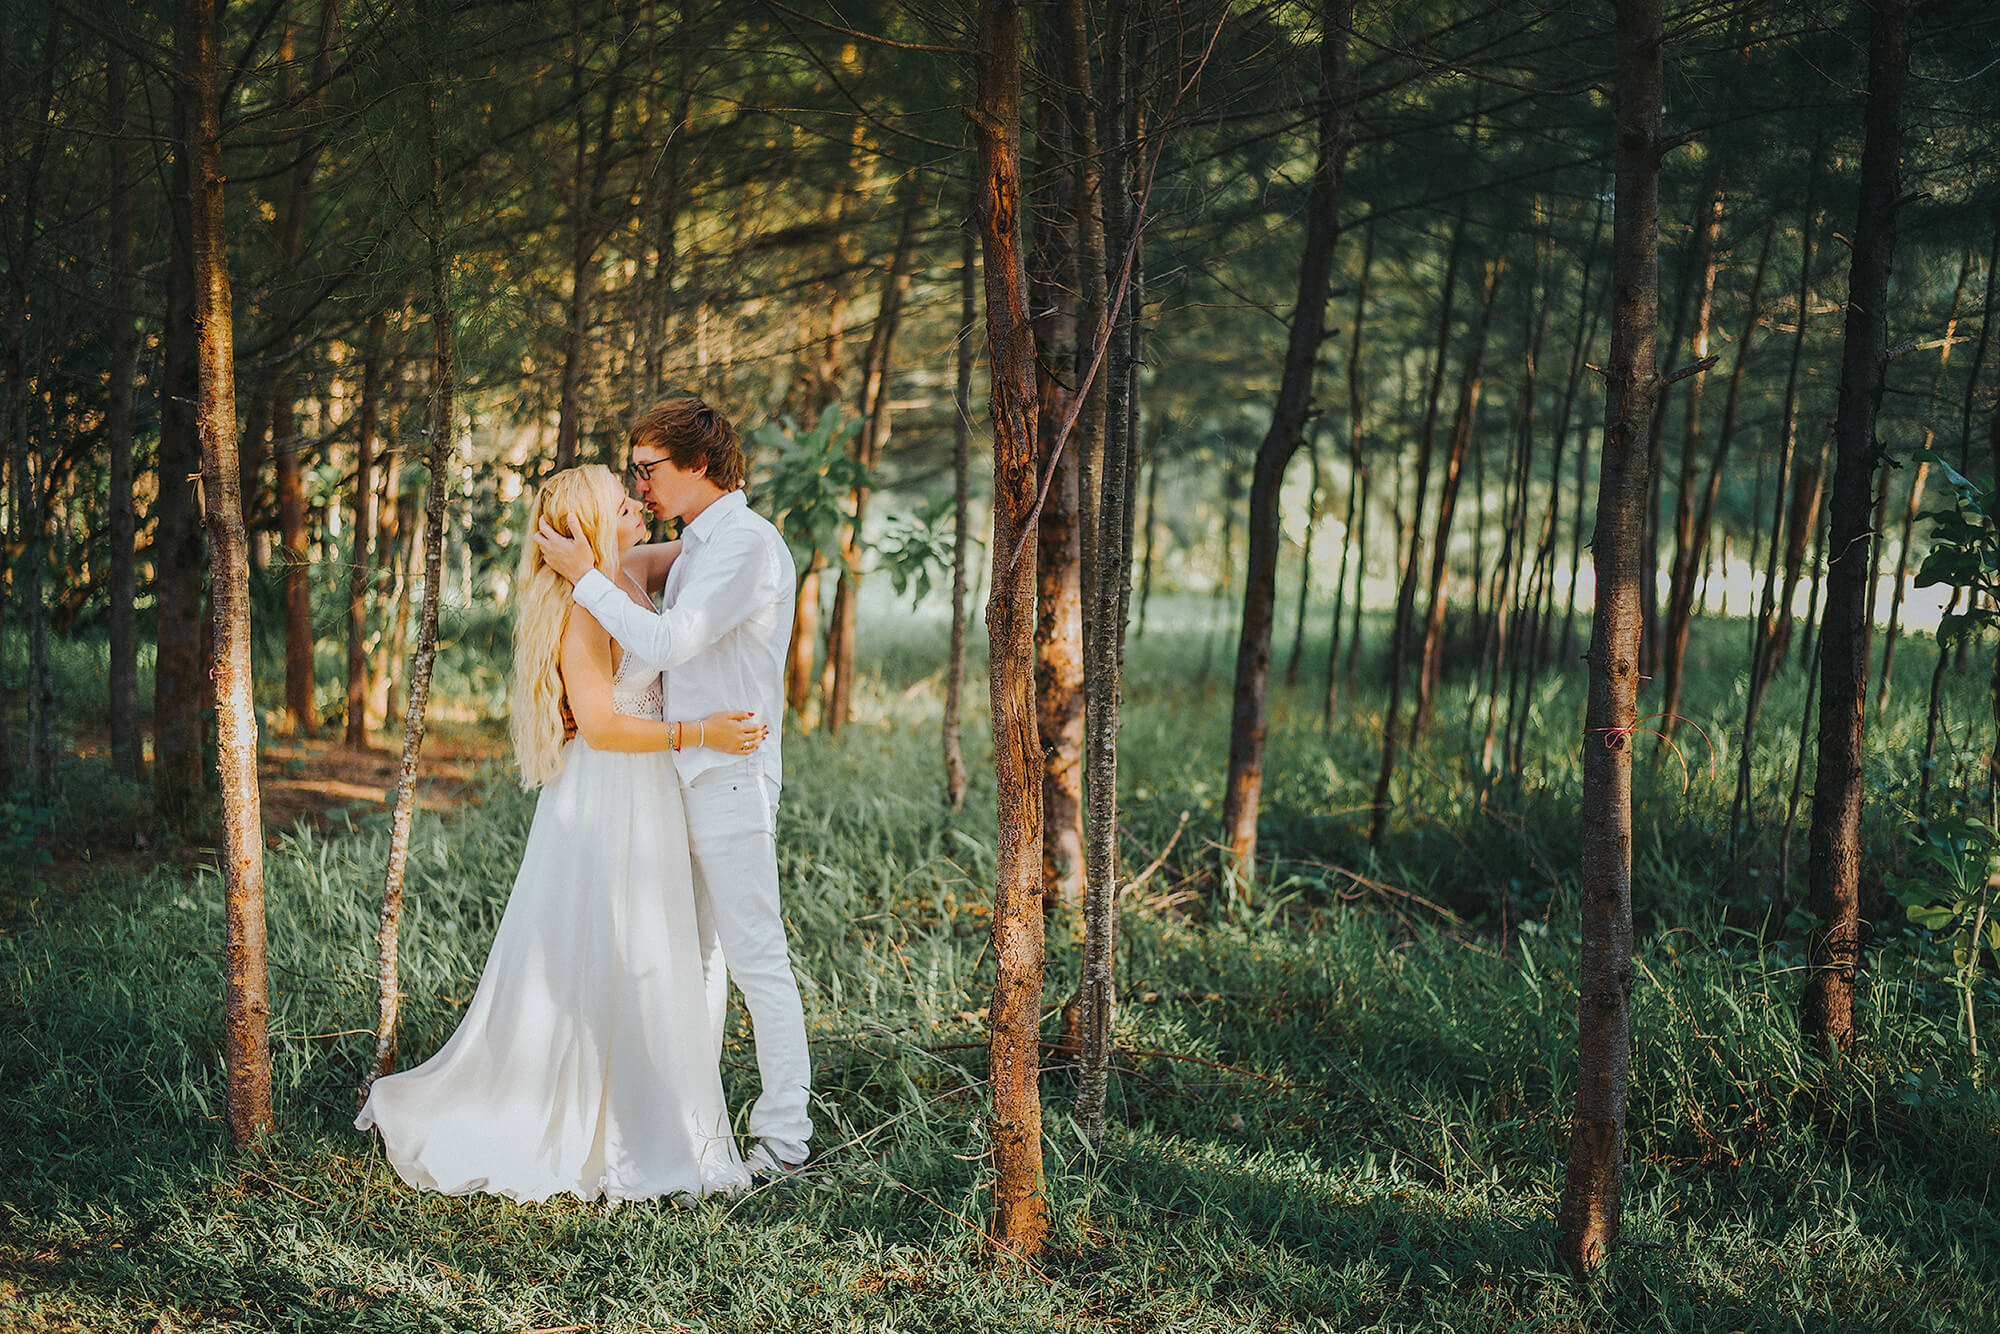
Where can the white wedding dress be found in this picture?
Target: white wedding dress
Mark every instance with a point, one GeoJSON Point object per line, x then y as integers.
{"type": "Point", "coordinates": [586, 1062]}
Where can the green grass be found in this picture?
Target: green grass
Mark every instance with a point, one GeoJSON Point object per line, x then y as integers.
{"type": "Point", "coordinates": [1332, 1113]}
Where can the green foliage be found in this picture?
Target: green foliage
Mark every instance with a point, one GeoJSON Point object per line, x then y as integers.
{"type": "Point", "coordinates": [808, 480]}
{"type": "Point", "coordinates": [1965, 550]}
{"type": "Point", "coordinates": [913, 547]}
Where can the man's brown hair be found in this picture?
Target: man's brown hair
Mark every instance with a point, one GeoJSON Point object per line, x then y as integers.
{"type": "Point", "coordinates": [695, 436]}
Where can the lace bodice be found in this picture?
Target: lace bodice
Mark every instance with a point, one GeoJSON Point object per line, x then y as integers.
{"type": "Point", "coordinates": [636, 692]}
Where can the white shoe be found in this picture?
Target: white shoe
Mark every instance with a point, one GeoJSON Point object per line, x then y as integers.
{"type": "Point", "coordinates": [767, 1166]}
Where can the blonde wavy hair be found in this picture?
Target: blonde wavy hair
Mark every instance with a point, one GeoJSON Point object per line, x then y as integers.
{"type": "Point", "coordinates": [578, 502]}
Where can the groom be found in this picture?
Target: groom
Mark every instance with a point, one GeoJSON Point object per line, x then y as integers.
{"type": "Point", "coordinates": [721, 641]}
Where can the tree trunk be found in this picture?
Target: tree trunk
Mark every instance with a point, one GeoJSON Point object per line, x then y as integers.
{"type": "Point", "coordinates": [1052, 285]}
{"type": "Point", "coordinates": [443, 385]}
{"type": "Point", "coordinates": [1917, 492]}
{"type": "Point", "coordinates": [874, 412]}
{"type": "Point", "coordinates": [1691, 535]}
{"type": "Point", "coordinates": [1357, 485]}
{"type": "Point", "coordinates": [1108, 582]}
{"type": "Point", "coordinates": [1464, 422]}
{"type": "Point", "coordinates": [1801, 523]}
{"type": "Point", "coordinates": [364, 528]}
{"type": "Point", "coordinates": [1765, 643]}
{"type": "Point", "coordinates": [1500, 623]}
{"type": "Point", "coordinates": [1411, 545]}
{"type": "Point", "coordinates": [961, 524]}
{"type": "Point", "coordinates": [1775, 619]}
{"type": "Point", "coordinates": [286, 448]}
{"type": "Point", "coordinates": [1248, 718]}
{"type": "Point", "coordinates": [1305, 566]}
{"type": "Point", "coordinates": [127, 749]}
{"type": "Point", "coordinates": [1020, 1218]}
{"type": "Point", "coordinates": [1826, 1007]}
{"type": "Point", "coordinates": [1588, 1217]}
{"type": "Point", "coordinates": [179, 560]}
{"type": "Point", "coordinates": [297, 561]}
{"type": "Point", "coordinates": [246, 1003]}
{"type": "Point", "coordinates": [389, 563]}
{"type": "Point", "coordinates": [1538, 638]}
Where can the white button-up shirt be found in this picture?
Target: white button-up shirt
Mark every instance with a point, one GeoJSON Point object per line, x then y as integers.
{"type": "Point", "coordinates": [727, 625]}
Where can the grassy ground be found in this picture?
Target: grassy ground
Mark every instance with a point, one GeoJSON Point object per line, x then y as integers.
{"type": "Point", "coordinates": [1338, 1108]}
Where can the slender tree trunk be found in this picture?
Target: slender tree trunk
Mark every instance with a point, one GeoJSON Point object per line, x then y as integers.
{"type": "Point", "coordinates": [1917, 493]}
{"type": "Point", "coordinates": [1464, 423]}
{"type": "Point", "coordinates": [1826, 1007]}
{"type": "Point", "coordinates": [389, 565]}
{"type": "Point", "coordinates": [1357, 484]}
{"type": "Point", "coordinates": [805, 637]}
{"type": "Point", "coordinates": [297, 560]}
{"type": "Point", "coordinates": [1933, 712]}
{"type": "Point", "coordinates": [179, 559]}
{"type": "Point", "coordinates": [1501, 620]}
{"type": "Point", "coordinates": [1152, 499]}
{"type": "Point", "coordinates": [246, 997]}
{"type": "Point", "coordinates": [1020, 1218]}
{"type": "Point", "coordinates": [1777, 627]}
{"type": "Point", "coordinates": [961, 526]}
{"type": "Point", "coordinates": [1764, 642]}
{"type": "Point", "coordinates": [874, 412]}
{"type": "Point", "coordinates": [1109, 583]}
{"type": "Point", "coordinates": [1538, 640]}
{"type": "Point", "coordinates": [1243, 795]}
{"type": "Point", "coordinates": [127, 750]}
{"type": "Point", "coordinates": [1587, 1220]}
{"type": "Point", "coordinates": [1411, 545]}
{"type": "Point", "coordinates": [1059, 702]}
{"type": "Point", "coordinates": [1305, 566]}
{"type": "Point", "coordinates": [443, 388]}
{"type": "Point", "coordinates": [1801, 524]}
{"type": "Point", "coordinates": [1691, 537]}
{"type": "Point", "coordinates": [1978, 354]}
{"type": "Point", "coordinates": [1667, 646]}
{"type": "Point", "coordinates": [364, 528]}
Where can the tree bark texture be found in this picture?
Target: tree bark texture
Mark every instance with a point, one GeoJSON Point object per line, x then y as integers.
{"type": "Point", "coordinates": [1588, 1216]}
{"type": "Point", "coordinates": [1020, 1219]}
{"type": "Point", "coordinates": [180, 684]}
{"type": "Point", "coordinates": [246, 998]}
{"type": "Point", "coordinates": [1250, 712]}
{"type": "Point", "coordinates": [1052, 285]}
{"type": "Point", "coordinates": [1826, 1008]}
{"type": "Point", "coordinates": [443, 385]}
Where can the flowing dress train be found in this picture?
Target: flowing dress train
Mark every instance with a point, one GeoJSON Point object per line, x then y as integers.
{"type": "Point", "coordinates": [586, 1062]}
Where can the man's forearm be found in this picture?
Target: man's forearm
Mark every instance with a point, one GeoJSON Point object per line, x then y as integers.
{"type": "Point", "coordinates": [640, 631]}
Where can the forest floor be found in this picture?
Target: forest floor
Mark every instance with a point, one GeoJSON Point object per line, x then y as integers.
{"type": "Point", "coordinates": [1339, 1105]}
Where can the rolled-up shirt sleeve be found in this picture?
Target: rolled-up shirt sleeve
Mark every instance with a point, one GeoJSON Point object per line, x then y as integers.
{"type": "Point", "coordinates": [725, 590]}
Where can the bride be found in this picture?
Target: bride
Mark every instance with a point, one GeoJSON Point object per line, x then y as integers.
{"type": "Point", "coordinates": [586, 1061]}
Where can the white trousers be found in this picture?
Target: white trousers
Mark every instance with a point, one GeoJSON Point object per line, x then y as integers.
{"type": "Point", "coordinates": [732, 827]}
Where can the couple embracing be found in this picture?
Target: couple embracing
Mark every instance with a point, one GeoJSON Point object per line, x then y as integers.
{"type": "Point", "coordinates": [588, 1061]}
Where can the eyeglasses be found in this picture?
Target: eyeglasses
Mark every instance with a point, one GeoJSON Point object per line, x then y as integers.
{"type": "Point", "coordinates": [643, 472]}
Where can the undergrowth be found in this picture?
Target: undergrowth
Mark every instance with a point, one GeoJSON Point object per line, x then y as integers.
{"type": "Point", "coordinates": [1340, 1102]}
